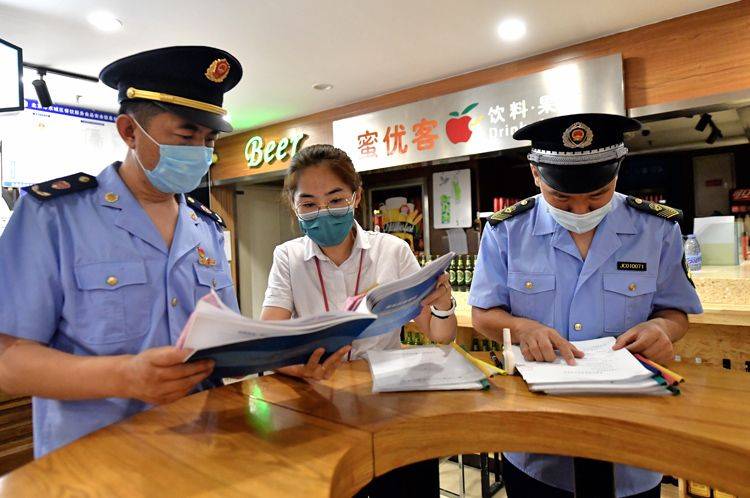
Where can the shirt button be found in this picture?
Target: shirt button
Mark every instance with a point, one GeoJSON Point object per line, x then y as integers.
{"type": "Point", "coordinates": [578, 327]}
{"type": "Point", "coordinates": [112, 281]}
{"type": "Point", "coordinates": [213, 283]}
{"type": "Point", "coordinates": [632, 287]}
{"type": "Point", "coordinates": [174, 302]}
{"type": "Point", "coordinates": [529, 285]}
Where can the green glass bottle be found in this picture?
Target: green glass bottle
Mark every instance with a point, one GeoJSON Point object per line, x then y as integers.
{"type": "Point", "coordinates": [460, 276]}
{"type": "Point", "coordinates": [468, 272]}
{"type": "Point", "coordinates": [452, 274]}
{"type": "Point", "coordinates": [475, 344]}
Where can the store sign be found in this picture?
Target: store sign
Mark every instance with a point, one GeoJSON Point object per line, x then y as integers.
{"type": "Point", "coordinates": [481, 119]}
{"type": "Point", "coordinates": [258, 153]}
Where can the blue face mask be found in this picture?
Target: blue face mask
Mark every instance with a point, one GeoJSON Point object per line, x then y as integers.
{"type": "Point", "coordinates": [327, 229]}
{"type": "Point", "coordinates": [180, 167]}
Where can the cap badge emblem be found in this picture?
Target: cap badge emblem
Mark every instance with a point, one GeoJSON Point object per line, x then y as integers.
{"type": "Point", "coordinates": [218, 70]}
{"type": "Point", "coordinates": [577, 136]}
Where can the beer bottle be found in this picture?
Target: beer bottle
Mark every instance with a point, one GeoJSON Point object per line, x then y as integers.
{"type": "Point", "coordinates": [452, 274]}
{"type": "Point", "coordinates": [468, 272]}
{"type": "Point", "coordinates": [460, 275]}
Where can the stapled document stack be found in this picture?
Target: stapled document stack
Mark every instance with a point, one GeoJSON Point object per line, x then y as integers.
{"type": "Point", "coordinates": [602, 370]}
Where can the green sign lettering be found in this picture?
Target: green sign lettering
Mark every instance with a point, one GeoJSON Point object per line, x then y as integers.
{"type": "Point", "coordinates": [257, 153]}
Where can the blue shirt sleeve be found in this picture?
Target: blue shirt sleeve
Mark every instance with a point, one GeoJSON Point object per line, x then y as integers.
{"type": "Point", "coordinates": [673, 287]}
{"type": "Point", "coordinates": [489, 286]}
{"type": "Point", "coordinates": [32, 299]}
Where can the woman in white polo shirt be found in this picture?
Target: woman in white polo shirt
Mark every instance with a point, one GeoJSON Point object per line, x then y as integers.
{"type": "Point", "coordinates": [337, 259]}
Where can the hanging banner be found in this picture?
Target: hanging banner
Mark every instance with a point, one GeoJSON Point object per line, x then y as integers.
{"type": "Point", "coordinates": [481, 119]}
{"type": "Point", "coordinates": [41, 143]}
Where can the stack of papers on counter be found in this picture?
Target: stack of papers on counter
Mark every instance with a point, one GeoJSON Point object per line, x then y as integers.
{"type": "Point", "coordinates": [601, 371]}
{"type": "Point", "coordinates": [425, 368]}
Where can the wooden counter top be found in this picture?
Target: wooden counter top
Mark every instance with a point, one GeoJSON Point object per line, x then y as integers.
{"type": "Point", "coordinates": [214, 443]}
{"type": "Point", "coordinates": [277, 436]}
{"type": "Point", "coordinates": [713, 313]}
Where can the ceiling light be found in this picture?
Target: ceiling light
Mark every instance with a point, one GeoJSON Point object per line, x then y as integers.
{"type": "Point", "coordinates": [104, 21]}
{"type": "Point", "coordinates": [511, 30]}
{"type": "Point", "coordinates": [703, 122]}
{"type": "Point", "coordinates": [322, 86]}
{"type": "Point", "coordinates": [714, 135]}
{"type": "Point", "coordinates": [42, 92]}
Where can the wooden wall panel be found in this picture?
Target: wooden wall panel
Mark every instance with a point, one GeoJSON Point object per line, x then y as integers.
{"type": "Point", "coordinates": [222, 201]}
{"type": "Point", "coordinates": [16, 439]}
{"type": "Point", "coordinates": [683, 58]}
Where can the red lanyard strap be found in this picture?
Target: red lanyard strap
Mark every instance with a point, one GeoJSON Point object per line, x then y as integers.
{"type": "Point", "coordinates": [323, 285]}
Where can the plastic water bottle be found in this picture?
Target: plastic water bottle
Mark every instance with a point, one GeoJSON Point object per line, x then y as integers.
{"type": "Point", "coordinates": [693, 253]}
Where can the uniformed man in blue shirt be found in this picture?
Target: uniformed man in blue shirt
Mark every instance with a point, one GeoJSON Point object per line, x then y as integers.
{"type": "Point", "coordinates": [99, 274]}
{"type": "Point", "coordinates": [581, 261]}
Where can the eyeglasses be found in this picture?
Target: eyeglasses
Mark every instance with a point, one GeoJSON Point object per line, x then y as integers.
{"type": "Point", "coordinates": [336, 207]}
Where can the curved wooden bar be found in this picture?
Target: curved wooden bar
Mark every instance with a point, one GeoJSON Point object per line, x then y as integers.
{"type": "Point", "coordinates": [276, 436]}
{"type": "Point", "coordinates": [214, 443]}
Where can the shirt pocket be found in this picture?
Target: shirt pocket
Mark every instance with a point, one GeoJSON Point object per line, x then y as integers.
{"type": "Point", "coordinates": [532, 295]}
{"type": "Point", "coordinates": [114, 302]}
{"type": "Point", "coordinates": [627, 301]}
{"type": "Point", "coordinates": [210, 277]}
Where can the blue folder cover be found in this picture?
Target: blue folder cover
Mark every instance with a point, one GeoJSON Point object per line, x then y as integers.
{"type": "Point", "coordinates": [259, 355]}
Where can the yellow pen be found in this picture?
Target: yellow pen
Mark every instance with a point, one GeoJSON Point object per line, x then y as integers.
{"type": "Point", "coordinates": [486, 368]}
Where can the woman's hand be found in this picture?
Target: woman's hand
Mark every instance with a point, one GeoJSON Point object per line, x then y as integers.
{"type": "Point", "coordinates": [539, 342]}
{"type": "Point", "coordinates": [649, 339]}
{"type": "Point", "coordinates": [315, 370]}
{"type": "Point", "coordinates": [440, 298]}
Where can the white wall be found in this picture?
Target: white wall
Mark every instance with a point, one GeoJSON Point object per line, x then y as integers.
{"type": "Point", "coordinates": [263, 222]}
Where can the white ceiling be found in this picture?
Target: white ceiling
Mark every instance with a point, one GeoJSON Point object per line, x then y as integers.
{"type": "Point", "coordinates": [363, 48]}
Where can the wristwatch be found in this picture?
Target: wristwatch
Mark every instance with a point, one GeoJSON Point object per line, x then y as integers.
{"type": "Point", "coordinates": [443, 314]}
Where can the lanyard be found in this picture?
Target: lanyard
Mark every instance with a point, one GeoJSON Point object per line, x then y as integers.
{"type": "Point", "coordinates": [323, 285]}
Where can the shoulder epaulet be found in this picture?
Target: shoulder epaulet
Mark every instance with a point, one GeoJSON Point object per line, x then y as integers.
{"type": "Point", "coordinates": [511, 211]}
{"type": "Point", "coordinates": [61, 186]}
{"type": "Point", "coordinates": [202, 209]}
{"type": "Point", "coordinates": [655, 209]}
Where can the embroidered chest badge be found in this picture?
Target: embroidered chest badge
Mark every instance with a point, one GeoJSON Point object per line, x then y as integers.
{"type": "Point", "coordinates": [203, 260]}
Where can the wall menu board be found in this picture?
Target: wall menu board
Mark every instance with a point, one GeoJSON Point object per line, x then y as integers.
{"type": "Point", "coordinates": [11, 69]}
{"type": "Point", "coordinates": [39, 144]}
{"type": "Point", "coordinates": [451, 194]}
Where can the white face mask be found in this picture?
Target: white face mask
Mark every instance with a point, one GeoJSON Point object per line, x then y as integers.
{"type": "Point", "coordinates": [579, 223]}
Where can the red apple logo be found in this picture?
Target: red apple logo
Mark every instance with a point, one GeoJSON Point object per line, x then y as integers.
{"type": "Point", "coordinates": [457, 128]}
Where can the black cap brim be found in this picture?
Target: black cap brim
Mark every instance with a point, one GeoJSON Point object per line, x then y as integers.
{"type": "Point", "coordinates": [578, 179]}
{"type": "Point", "coordinates": [203, 118]}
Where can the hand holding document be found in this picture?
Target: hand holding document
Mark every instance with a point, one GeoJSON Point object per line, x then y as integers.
{"type": "Point", "coordinates": [602, 370]}
{"type": "Point", "coordinates": [241, 346]}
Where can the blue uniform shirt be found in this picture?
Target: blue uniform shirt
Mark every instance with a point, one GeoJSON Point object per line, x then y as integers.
{"type": "Point", "coordinates": [530, 266]}
{"type": "Point", "coordinates": [57, 260]}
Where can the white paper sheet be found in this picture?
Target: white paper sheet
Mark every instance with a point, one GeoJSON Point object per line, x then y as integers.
{"type": "Point", "coordinates": [422, 368]}
{"type": "Point", "coordinates": [599, 364]}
